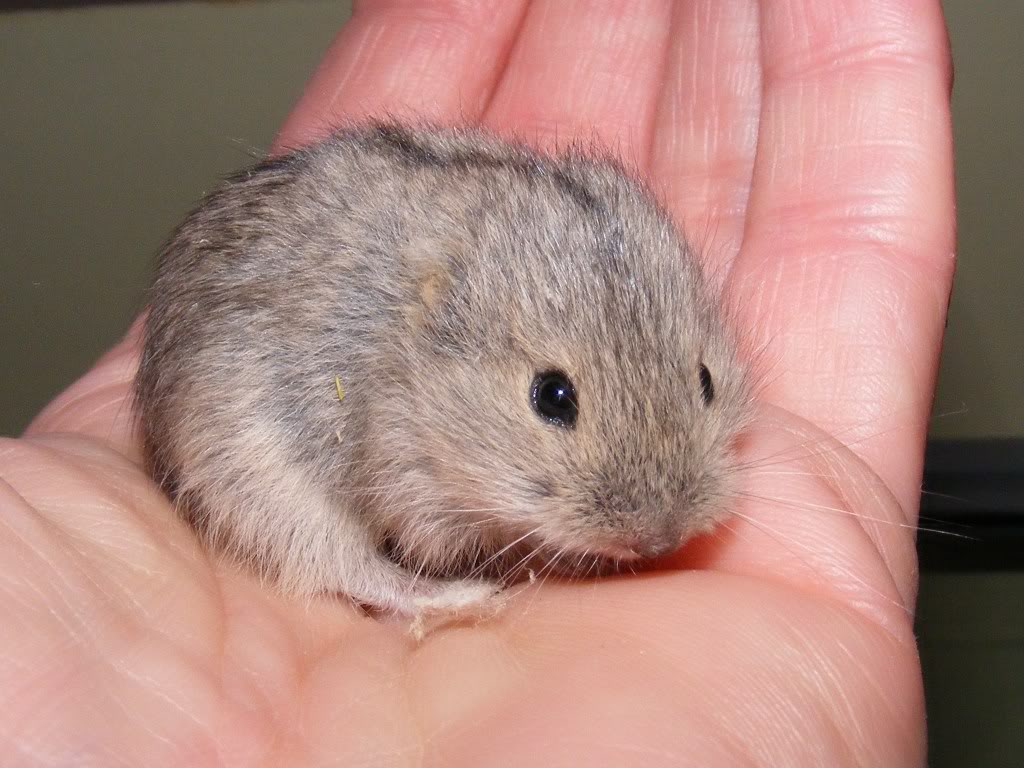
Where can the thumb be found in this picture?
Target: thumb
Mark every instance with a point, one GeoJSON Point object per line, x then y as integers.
{"type": "Point", "coordinates": [98, 405]}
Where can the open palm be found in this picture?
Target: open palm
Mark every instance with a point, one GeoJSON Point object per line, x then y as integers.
{"type": "Point", "coordinates": [804, 144]}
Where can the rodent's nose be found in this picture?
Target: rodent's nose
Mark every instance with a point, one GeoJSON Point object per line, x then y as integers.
{"type": "Point", "coordinates": [645, 548]}
{"type": "Point", "coordinates": [657, 547]}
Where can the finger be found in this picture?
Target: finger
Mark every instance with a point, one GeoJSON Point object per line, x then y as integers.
{"type": "Point", "coordinates": [434, 60]}
{"type": "Point", "coordinates": [847, 258]}
{"type": "Point", "coordinates": [706, 124]}
{"type": "Point", "coordinates": [585, 70]}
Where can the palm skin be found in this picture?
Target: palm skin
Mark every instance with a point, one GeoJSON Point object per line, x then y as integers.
{"type": "Point", "coordinates": [810, 141]}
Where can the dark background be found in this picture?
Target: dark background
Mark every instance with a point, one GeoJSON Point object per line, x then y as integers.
{"type": "Point", "coordinates": [114, 119]}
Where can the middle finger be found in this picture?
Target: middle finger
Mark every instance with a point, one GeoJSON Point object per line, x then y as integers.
{"type": "Point", "coordinates": [588, 71]}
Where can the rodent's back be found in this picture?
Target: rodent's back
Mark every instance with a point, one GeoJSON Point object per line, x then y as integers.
{"type": "Point", "coordinates": [277, 283]}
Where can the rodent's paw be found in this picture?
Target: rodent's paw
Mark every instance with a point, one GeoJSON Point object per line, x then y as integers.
{"type": "Point", "coordinates": [457, 597]}
{"type": "Point", "coordinates": [451, 602]}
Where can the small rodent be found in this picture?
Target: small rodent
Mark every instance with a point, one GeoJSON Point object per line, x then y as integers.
{"type": "Point", "coordinates": [412, 364]}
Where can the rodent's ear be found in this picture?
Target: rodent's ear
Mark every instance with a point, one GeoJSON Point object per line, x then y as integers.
{"type": "Point", "coordinates": [433, 266]}
{"type": "Point", "coordinates": [432, 284]}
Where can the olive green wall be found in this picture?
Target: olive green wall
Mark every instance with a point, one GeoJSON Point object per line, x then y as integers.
{"type": "Point", "coordinates": [980, 386]}
{"type": "Point", "coordinates": [113, 120]}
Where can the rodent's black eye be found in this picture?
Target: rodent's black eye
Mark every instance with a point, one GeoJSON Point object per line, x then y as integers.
{"type": "Point", "coordinates": [554, 398]}
{"type": "Point", "coordinates": [707, 387]}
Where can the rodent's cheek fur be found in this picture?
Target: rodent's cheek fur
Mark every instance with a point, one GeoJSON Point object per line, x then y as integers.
{"type": "Point", "coordinates": [459, 479]}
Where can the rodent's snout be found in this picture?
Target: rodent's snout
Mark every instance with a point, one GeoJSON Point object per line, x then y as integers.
{"type": "Point", "coordinates": [639, 550]}
{"type": "Point", "coordinates": [629, 524]}
{"type": "Point", "coordinates": [656, 546]}
{"type": "Point", "coordinates": [642, 545]}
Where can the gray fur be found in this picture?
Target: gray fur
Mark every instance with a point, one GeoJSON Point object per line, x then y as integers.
{"type": "Point", "coordinates": [435, 272]}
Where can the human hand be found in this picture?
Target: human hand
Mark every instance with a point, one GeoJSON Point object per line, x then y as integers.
{"type": "Point", "coordinates": [811, 140]}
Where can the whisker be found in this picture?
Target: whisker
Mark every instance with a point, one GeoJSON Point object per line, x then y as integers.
{"type": "Point", "coordinates": [480, 569]}
{"type": "Point", "coordinates": [797, 504]}
{"type": "Point", "coordinates": [777, 537]}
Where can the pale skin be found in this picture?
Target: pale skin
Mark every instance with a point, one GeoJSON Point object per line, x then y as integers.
{"type": "Point", "coordinates": [806, 144]}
